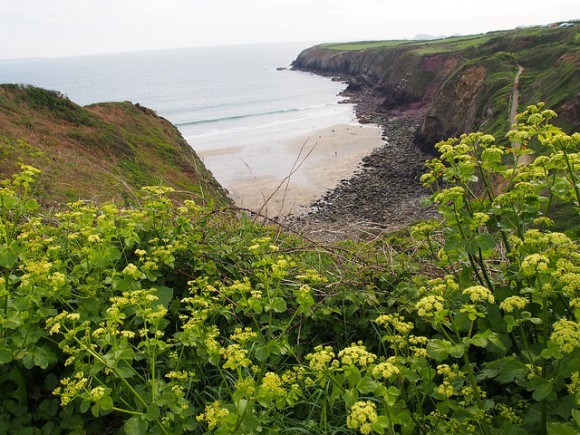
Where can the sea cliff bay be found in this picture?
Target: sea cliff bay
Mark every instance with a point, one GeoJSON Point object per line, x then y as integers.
{"type": "Point", "coordinates": [137, 298]}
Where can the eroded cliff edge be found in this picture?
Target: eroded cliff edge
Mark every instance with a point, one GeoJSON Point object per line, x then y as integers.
{"type": "Point", "coordinates": [456, 85]}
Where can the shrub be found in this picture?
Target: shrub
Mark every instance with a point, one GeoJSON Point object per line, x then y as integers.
{"type": "Point", "coordinates": [173, 318]}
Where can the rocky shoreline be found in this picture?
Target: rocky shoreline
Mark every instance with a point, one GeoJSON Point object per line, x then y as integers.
{"type": "Point", "coordinates": [383, 195]}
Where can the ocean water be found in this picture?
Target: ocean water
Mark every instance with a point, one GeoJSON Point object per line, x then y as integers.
{"type": "Point", "coordinates": [213, 95]}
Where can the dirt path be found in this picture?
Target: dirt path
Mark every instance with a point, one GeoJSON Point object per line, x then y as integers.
{"type": "Point", "coordinates": [526, 158]}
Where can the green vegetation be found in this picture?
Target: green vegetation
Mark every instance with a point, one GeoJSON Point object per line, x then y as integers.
{"type": "Point", "coordinates": [101, 152]}
{"type": "Point", "coordinates": [177, 318]}
{"type": "Point", "coordinates": [445, 77]}
{"type": "Point", "coordinates": [363, 45]}
{"type": "Point", "coordinates": [420, 47]}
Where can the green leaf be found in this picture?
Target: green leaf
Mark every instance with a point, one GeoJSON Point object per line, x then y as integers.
{"type": "Point", "coordinates": [477, 340]}
{"type": "Point", "coordinates": [9, 254]}
{"type": "Point", "coordinates": [541, 388]}
{"type": "Point", "coordinates": [457, 351]}
{"type": "Point", "coordinates": [350, 397]}
{"type": "Point", "coordinates": [261, 352]}
{"type": "Point", "coordinates": [484, 241]}
{"type": "Point", "coordinates": [165, 295]}
{"type": "Point", "coordinates": [5, 355]}
{"type": "Point", "coordinates": [366, 385]}
{"type": "Point", "coordinates": [552, 351]}
{"type": "Point", "coordinates": [279, 305]}
{"type": "Point", "coordinates": [106, 403]}
{"type": "Point", "coordinates": [561, 429]}
{"type": "Point", "coordinates": [135, 426]}
{"type": "Point", "coordinates": [438, 349]}
{"type": "Point", "coordinates": [85, 405]}
{"type": "Point", "coordinates": [576, 415]}
{"type": "Point", "coordinates": [512, 370]}
{"type": "Point", "coordinates": [153, 412]}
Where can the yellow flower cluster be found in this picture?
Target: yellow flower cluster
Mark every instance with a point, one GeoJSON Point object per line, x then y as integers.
{"type": "Point", "coordinates": [424, 229]}
{"type": "Point", "coordinates": [452, 194]}
{"type": "Point", "coordinates": [429, 305]}
{"type": "Point", "coordinates": [213, 415]}
{"type": "Point", "coordinates": [534, 263]}
{"type": "Point", "coordinates": [574, 385]}
{"type": "Point", "coordinates": [356, 354]}
{"type": "Point", "coordinates": [235, 357]}
{"type": "Point", "coordinates": [294, 375]}
{"type": "Point", "coordinates": [71, 388]}
{"type": "Point", "coordinates": [385, 370]}
{"type": "Point", "coordinates": [312, 276]}
{"type": "Point", "coordinates": [449, 372]}
{"type": "Point", "coordinates": [479, 293]}
{"type": "Point", "coordinates": [508, 413]}
{"type": "Point", "coordinates": [566, 335]}
{"type": "Point", "coordinates": [272, 383]}
{"type": "Point", "coordinates": [512, 302]}
{"type": "Point", "coordinates": [445, 389]}
{"type": "Point", "coordinates": [321, 358]}
{"type": "Point", "coordinates": [396, 321]}
{"type": "Point", "coordinates": [179, 375]}
{"type": "Point", "coordinates": [362, 416]}
{"type": "Point", "coordinates": [97, 393]}
{"type": "Point", "coordinates": [242, 336]}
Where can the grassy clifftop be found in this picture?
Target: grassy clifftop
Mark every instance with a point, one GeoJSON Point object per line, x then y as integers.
{"type": "Point", "coordinates": [100, 152]}
{"type": "Point", "coordinates": [459, 84]}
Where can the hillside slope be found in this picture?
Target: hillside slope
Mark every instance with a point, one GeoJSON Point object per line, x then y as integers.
{"type": "Point", "coordinates": [101, 152]}
{"type": "Point", "coordinates": [458, 84]}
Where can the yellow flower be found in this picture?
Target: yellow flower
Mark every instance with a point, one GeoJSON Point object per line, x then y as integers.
{"type": "Point", "coordinates": [574, 385]}
{"type": "Point", "coordinates": [243, 336]}
{"type": "Point", "coordinates": [513, 302]}
{"type": "Point", "coordinates": [320, 359]}
{"type": "Point", "coordinates": [272, 382]}
{"type": "Point", "coordinates": [398, 322]}
{"type": "Point", "coordinates": [235, 357]}
{"type": "Point", "coordinates": [479, 293]}
{"type": "Point", "coordinates": [567, 335]}
{"type": "Point", "coordinates": [361, 416]}
{"type": "Point", "coordinates": [535, 263]}
{"type": "Point", "coordinates": [385, 370]}
{"type": "Point", "coordinates": [429, 305]}
{"type": "Point", "coordinates": [445, 389]}
{"type": "Point", "coordinates": [213, 415]}
{"type": "Point", "coordinates": [356, 354]}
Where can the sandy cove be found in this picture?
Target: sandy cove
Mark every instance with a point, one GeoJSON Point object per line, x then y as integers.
{"type": "Point", "coordinates": [302, 170]}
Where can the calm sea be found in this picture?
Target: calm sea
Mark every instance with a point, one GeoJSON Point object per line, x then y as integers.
{"type": "Point", "coordinates": [217, 97]}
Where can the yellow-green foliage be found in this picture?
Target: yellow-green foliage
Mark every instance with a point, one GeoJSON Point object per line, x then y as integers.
{"type": "Point", "coordinates": [167, 318]}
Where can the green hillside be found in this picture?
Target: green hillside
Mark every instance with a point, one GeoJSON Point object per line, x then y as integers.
{"type": "Point", "coordinates": [101, 152]}
{"type": "Point", "coordinates": [458, 84]}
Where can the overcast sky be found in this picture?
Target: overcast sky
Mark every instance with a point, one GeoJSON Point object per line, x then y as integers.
{"type": "Point", "coordinates": [53, 28]}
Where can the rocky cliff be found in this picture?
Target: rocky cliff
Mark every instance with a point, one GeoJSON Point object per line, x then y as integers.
{"type": "Point", "coordinates": [458, 84]}
{"type": "Point", "coordinates": [101, 152]}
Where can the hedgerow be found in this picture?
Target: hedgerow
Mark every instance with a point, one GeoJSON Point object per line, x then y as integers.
{"type": "Point", "coordinates": [174, 318]}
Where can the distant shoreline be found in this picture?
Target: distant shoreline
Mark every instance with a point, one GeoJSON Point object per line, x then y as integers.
{"type": "Point", "coordinates": [303, 168]}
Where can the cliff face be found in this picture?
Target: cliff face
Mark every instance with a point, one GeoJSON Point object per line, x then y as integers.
{"type": "Point", "coordinates": [459, 84]}
{"type": "Point", "coordinates": [101, 152]}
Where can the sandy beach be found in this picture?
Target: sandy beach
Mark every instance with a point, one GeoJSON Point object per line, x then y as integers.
{"type": "Point", "coordinates": [285, 177]}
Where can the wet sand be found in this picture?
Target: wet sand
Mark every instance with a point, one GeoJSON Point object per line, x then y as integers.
{"type": "Point", "coordinates": [286, 177]}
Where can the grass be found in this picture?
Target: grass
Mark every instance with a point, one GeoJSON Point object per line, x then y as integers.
{"type": "Point", "coordinates": [422, 47]}
{"type": "Point", "coordinates": [99, 152]}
